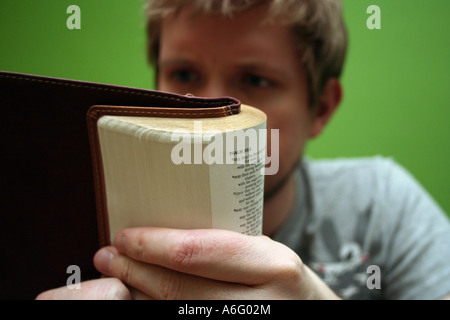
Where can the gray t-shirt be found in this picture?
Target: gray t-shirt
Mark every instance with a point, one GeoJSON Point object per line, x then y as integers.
{"type": "Point", "coordinates": [369, 230]}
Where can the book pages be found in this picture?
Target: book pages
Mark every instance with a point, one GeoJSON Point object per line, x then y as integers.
{"type": "Point", "coordinates": [184, 173]}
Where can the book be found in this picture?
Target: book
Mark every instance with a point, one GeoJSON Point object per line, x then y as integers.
{"type": "Point", "coordinates": [187, 168]}
{"type": "Point", "coordinates": [49, 202]}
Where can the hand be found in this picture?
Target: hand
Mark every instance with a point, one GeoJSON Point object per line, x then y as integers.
{"type": "Point", "coordinates": [99, 289]}
{"type": "Point", "coordinates": [207, 264]}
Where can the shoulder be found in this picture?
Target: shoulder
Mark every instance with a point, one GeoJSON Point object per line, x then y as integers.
{"type": "Point", "coordinates": [402, 228]}
{"type": "Point", "coordinates": [324, 168]}
{"type": "Point", "coordinates": [377, 180]}
{"type": "Point", "coordinates": [377, 174]}
{"type": "Point", "coordinates": [350, 177]}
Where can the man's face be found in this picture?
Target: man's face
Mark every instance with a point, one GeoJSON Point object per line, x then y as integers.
{"type": "Point", "coordinates": [211, 56]}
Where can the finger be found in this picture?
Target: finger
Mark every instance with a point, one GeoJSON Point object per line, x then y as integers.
{"type": "Point", "coordinates": [99, 289]}
{"type": "Point", "coordinates": [156, 282]}
{"type": "Point", "coordinates": [139, 295]}
{"type": "Point", "coordinates": [216, 254]}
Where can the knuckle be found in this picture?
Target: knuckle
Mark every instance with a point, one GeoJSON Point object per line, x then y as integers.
{"type": "Point", "coordinates": [171, 286]}
{"type": "Point", "coordinates": [126, 271]}
{"type": "Point", "coordinates": [113, 289]}
{"type": "Point", "coordinates": [185, 251]}
{"type": "Point", "coordinates": [289, 282]}
{"type": "Point", "coordinates": [290, 269]}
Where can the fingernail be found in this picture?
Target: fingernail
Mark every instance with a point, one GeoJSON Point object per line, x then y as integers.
{"type": "Point", "coordinates": [103, 260]}
{"type": "Point", "coordinates": [119, 243]}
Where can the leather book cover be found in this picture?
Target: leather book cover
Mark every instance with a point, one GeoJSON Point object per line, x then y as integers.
{"type": "Point", "coordinates": [48, 206]}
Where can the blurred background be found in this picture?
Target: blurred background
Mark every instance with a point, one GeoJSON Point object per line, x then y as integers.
{"type": "Point", "coordinates": [396, 79]}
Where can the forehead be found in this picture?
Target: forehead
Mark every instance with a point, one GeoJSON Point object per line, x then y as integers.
{"type": "Point", "coordinates": [246, 34]}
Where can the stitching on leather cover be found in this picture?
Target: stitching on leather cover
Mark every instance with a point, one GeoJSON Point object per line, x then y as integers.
{"type": "Point", "coordinates": [167, 113]}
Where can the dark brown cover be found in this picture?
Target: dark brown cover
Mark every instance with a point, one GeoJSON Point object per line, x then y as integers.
{"type": "Point", "coordinates": [49, 219]}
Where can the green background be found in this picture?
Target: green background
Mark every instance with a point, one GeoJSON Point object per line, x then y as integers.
{"type": "Point", "coordinates": [396, 81]}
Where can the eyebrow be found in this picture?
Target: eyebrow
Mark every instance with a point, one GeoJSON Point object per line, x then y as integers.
{"type": "Point", "coordinates": [173, 62]}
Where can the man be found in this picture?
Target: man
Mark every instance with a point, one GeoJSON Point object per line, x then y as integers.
{"type": "Point", "coordinates": [357, 228]}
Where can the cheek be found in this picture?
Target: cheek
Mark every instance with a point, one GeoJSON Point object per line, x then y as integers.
{"type": "Point", "coordinates": [292, 139]}
{"type": "Point", "coordinates": [294, 129]}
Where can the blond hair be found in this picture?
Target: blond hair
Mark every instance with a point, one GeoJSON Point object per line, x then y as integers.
{"type": "Point", "coordinates": [317, 25]}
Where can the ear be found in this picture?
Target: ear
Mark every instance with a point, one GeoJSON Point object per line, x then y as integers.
{"type": "Point", "coordinates": [328, 102]}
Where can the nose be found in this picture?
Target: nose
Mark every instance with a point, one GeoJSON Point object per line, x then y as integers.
{"type": "Point", "coordinates": [214, 87]}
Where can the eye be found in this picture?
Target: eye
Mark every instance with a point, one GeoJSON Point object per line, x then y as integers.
{"type": "Point", "coordinates": [256, 81]}
{"type": "Point", "coordinates": [184, 76]}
